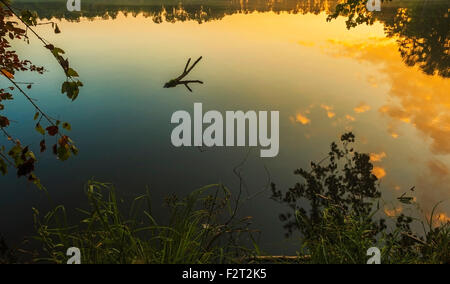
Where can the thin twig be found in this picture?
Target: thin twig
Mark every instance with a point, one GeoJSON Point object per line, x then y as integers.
{"type": "Point", "coordinates": [6, 133]}
{"type": "Point", "coordinates": [27, 97]}
{"type": "Point", "coordinates": [265, 188]}
{"type": "Point", "coordinates": [6, 159]}
{"type": "Point", "coordinates": [279, 258]}
{"type": "Point", "coordinates": [417, 240]}
{"type": "Point", "coordinates": [237, 172]}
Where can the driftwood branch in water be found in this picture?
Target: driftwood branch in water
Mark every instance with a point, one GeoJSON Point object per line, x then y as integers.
{"type": "Point", "coordinates": [277, 259]}
{"type": "Point", "coordinates": [179, 81]}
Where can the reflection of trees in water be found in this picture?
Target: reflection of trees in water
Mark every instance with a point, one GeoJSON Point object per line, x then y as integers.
{"type": "Point", "coordinates": [421, 27]}
{"type": "Point", "coordinates": [424, 40]}
{"type": "Point", "coordinates": [174, 11]}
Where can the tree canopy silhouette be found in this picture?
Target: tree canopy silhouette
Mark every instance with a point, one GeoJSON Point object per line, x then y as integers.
{"type": "Point", "coordinates": [421, 31]}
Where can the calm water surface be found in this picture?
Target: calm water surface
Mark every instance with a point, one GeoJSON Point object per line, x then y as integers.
{"type": "Point", "coordinates": [258, 55]}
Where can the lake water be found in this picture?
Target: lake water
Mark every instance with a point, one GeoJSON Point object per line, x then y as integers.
{"type": "Point", "coordinates": [387, 82]}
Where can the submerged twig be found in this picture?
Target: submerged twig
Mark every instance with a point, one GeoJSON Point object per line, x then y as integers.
{"type": "Point", "coordinates": [277, 258]}
{"type": "Point", "coordinates": [179, 81]}
{"type": "Point", "coordinates": [414, 238]}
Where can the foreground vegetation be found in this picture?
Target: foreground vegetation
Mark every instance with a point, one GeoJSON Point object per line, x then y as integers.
{"type": "Point", "coordinates": [335, 208]}
{"type": "Point", "coordinates": [337, 211]}
{"type": "Point", "coordinates": [192, 234]}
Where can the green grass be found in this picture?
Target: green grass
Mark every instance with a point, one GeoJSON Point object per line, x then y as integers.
{"type": "Point", "coordinates": [193, 235]}
{"type": "Point", "coordinates": [198, 232]}
{"type": "Point", "coordinates": [203, 229]}
{"type": "Point", "coordinates": [345, 240]}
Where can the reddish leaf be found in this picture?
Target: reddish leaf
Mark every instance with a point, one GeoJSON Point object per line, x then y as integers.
{"type": "Point", "coordinates": [43, 146]}
{"type": "Point", "coordinates": [52, 130]}
{"type": "Point", "coordinates": [4, 121]}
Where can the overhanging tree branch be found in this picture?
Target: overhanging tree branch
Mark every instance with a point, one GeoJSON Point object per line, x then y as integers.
{"type": "Point", "coordinates": [28, 97]}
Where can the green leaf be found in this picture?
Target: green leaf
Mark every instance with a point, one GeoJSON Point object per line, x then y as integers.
{"type": "Point", "coordinates": [3, 167]}
{"type": "Point", "coordinates": [71, 89]}
{"type": "Point", "coordinates": [40, 129]}
{"type": "Point", "coordinates": [56, 51]}
{"type": "Point", "coordinates": [67, 126]}
{"type": "Point", "coordinates": [65, 86]}
{"type": "Point", "coordinates": [31, 155]}
{"type": "Point", "coordinates": [74, 149]}
{"type": "Point", "coordinates": [72, 73]}
{"type": "Point", "coordinates": [63, 153]}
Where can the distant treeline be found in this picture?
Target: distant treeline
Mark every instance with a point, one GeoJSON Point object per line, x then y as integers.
{"type": "Point", "coordinates": [171, 10]}
{"type": "Point", "coordinates": [184, 10]}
